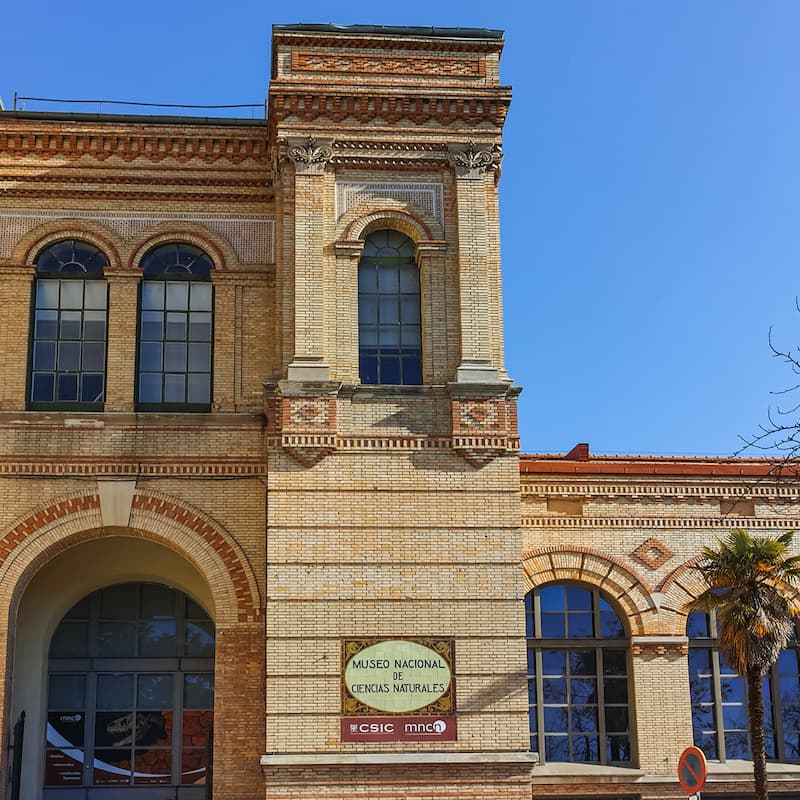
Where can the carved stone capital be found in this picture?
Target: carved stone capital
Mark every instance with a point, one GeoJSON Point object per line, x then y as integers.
{"type": "Point", "coordinates": [310, 155]}
{"type": "Point", "coordinates": [472, 161]}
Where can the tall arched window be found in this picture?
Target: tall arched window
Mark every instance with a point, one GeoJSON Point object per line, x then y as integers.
{"type": "Point", "coordinates": [68, 338]}
{"type": "Point", "coordinates": [578, 687]}
{"type": "Point", "coordinates": [389, 331]}
{"type": "Point", "coordinates": [130, 694]}
{"type": "Point", "coordinates": [175, 330]}
{"type": "Point", "coordinates": [719, 699]}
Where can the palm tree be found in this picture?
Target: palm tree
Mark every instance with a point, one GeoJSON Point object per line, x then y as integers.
{"type": "Point", "coordinates": [751, 585]}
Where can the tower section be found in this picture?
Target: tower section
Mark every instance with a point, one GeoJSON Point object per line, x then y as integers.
{"type": "Point", "coordinates": [391, 424]}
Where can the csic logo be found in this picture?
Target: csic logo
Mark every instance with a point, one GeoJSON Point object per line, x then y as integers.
{"type": "Point", "coordinates": [373, 727]}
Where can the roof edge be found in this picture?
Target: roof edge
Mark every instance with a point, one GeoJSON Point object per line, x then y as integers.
{"type": "Point", "coordinates": [391, 30]}
{"type": "Point", "coordinates": [141, 119]}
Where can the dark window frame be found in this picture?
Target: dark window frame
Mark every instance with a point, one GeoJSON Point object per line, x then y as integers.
{"type": "Point", "coordinates": [774, 707]}
{"type": "Point", "coordinates": [92, 667]}
{"type": "Point", "coordinates": [599, 645]}
{"type": "Point", "coordinates": [408, 358]}
{"type": "Point", "coordinates": [165, 277]}
{"type": "Point", "coordinates": [96, 273]}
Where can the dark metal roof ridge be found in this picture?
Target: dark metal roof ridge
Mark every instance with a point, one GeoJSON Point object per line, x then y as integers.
{"type": "Point", "coordinates": [394, 30]}
{"type": "Point", "coordinates": [142, 119]}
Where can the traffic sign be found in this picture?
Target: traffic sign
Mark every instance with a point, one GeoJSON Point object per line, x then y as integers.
{"type": "Point", "coordinates": [692, 769]}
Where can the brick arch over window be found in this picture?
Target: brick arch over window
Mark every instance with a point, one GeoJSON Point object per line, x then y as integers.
{"type": "Point", "coordinates": [30, 245]}
{"type": "Point", "coordinates": [359, 224]}
{"type": "Point", "coordinates": [627, 589]}
{"type": "Point", "coordinates": [32, 541]}
{"type": "Point", "coordinates": [217, 247]}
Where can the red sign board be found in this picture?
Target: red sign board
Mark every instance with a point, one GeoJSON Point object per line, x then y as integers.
{"type": "Point", "coordinates": [692, 770]}
{"type": "Point", "coordinates": [399, 729]}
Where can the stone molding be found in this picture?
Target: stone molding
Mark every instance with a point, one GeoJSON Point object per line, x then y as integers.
{"type": "Point", "coordinates": [662, 522]}
{"type": "Point", "coordinates": [660, 490]}
{"type": "Point", "coordinates": [31, 138]}
{"type": "Point", "coordinates": [472, 161]}
{"type": "Point", "coordinates": [388, 64]}
{"type": "Point", "coordinates": [310, 155]}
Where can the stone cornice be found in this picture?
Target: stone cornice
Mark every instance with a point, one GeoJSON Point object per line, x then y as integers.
{"type": "Point", "coordinates": [741, 490]}
{"type": "Point", "coordinates": [310, 105]}
{"type": "Point", "coordinates": [129, 142]}
{"type": "Point", "coordinates": [402, 43]}
{"type": "Point", "coordinates": [662, 522]}
{"type": "Point", "coordinates": [24, 466]}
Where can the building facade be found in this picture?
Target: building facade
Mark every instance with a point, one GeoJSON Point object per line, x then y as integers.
{"type": "Point", "coordinates": [255, 422]}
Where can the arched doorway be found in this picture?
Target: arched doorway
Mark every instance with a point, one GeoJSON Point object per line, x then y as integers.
{"type": "Point", "coordinates": [130, 697]}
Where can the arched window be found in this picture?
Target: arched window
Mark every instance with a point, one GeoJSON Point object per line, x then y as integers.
{"type": "Point", "coordinates": [68, 340]}
{"type": "Point", "coordinates": [389, 333]}
{"type": "Point", "coordinates": [578, 687]}
{"type": "Point", "coordinates": [175, 330]}
{"type": "Point", "coordinates": [130, 693]}
{"type": "Point", "coordinates": [719, 699]}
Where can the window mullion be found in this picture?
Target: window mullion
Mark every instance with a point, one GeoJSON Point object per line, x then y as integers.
{"type": "Point", "coordinates": [716, 685]}
{"type": "Point", "coordinates": [601, 705]}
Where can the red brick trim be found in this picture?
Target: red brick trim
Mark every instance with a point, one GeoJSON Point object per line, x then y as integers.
{"type": "Point", "coordinates": [220, 250]}
{"type": "Point", "coordinates": [34, 241]}
{"type": "Point", "coordinates": [624, 585]}
{"type": "Point", "coordinates": [365, 220]}
{"type": "Point", "coordinates": [239, 571]}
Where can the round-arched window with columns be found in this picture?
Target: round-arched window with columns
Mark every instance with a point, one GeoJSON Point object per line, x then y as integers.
{"type": "Point", "coordinates": [578, 676]}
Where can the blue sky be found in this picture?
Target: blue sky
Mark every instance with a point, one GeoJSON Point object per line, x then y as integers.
{"type": "Point", "coordinates": [649, 197]}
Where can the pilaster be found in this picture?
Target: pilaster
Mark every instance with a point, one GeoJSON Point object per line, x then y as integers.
{"type": "Point", "coordinates": [310, 158]}
{"type": "Point", "coordinates": [123, 288]}
{"type": "Point", "coordinates": [472, 162]}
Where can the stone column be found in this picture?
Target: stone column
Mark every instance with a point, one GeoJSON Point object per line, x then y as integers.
{"type": "Point", "coordinates": [121, 377]}
{"type": "Point", "coordinates": [471, 165]}
{"type": "Point", "coordinates": [310, 158]}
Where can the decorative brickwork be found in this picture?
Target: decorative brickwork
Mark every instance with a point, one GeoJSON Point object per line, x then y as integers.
{"type": "Point", "coordinates": [388, 65]}
{"type": "Point", "coordinates": [652, 553]}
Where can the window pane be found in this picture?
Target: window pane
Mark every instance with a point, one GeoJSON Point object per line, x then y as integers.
{"type": "Point", "coordinates": [174, 388]}
{"type": "Point", "coordinates": [43, 387]}
{"type": "Point", "coordinates": [580, 625]}
{"type": "Point", "coordinates": [94, 294]}
{"type": "Point", "coordinates": [44, 355]}
{"type": "Point", "coordinates": [409, 279]}
{"type": "Point", "coordinates": [94, 325]}
{"type": "Point", "coordinates": [200, 326]}
{"type": "Point", "coordinates": [556, 719]}
{"type": "Point", "coordinates": [70, 325]}
{"type": "Point", "coordinates": [119, 602]}
{"type": "Point", "coordinates": [112, 767]}
{"type": "Point", "coordinates": [71, 294]}
{"type": "Point", "coordinates": [115, 691]}
{"type": "Point", "coordinates": [176, 327]}
{"type": "Point", "coordinates": [412, 371]}
{"type": "Point", "coordinates": [199, 639]}
{"type": "Point", "coordinates": [175, 357]}
{"type": "Point", "coordinates": [551, 598]}
{"type": "Point", "coordinates": [94, 356]}
{"type": "Point", "coordinates": [409, 309]}
{"type": "Point", "coordinates": [554, 690]}
{"type": "Point", "coordinates": [70, 640]}
{"type": "Point", "coordinates": [199, 357]}
{"type": "Point", "coordinates": [199, 388]}
{"type": "Point", "coordinates": [198, 691]}
{"type": "Point", "coordinates": [116, 640]}
{"type": "Point", "coordinates": [200, 296]}
{"type": "Point", "coordinates": [582, 662]}
{"type": "Point", "coordinates": [388, 279]}
{"type": "Point", "coordinates": [553, 626]}
{"type": "Point", "coordinates": [154, 691]}
{"type": "Point", "coordinates": [92, 388]}
{"type": "Point", "coordinates": [67, 387]}
{"type": "Point", "coordinates": [390, 371]}
{"type": "Point", "coordinates": [153, 295]}
{"type": "Point", "coordinates": [46, 325]}
{"type": "Point", "coordinates": [389, 311]}
{"type": "Point", "coordinates": [67, 692]}
{"type": "Point", "coordinates": [178, 295]}
{"type": "Point", "coordinates": [150, 356]}
{"type": "Point", "coordinates": [152, 325]}
{"type": "Point", "coordinates": [157, 638]}
{"type": "Point", "coordinates": [367, 309]}
{"type": "Point", "coordinates": [150, 387]}
{"type": "Point", "coordinates": [367, 278]}
{"type": "Point", "coordinates": [47, 294]}
{"type": "Point", "coordinates": [153, 766]}
{"type": "Point", "coordinates": [697, 625]}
